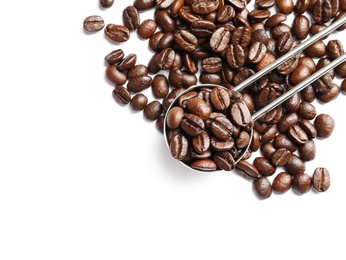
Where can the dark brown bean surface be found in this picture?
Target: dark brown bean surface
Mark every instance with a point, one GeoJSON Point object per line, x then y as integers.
{"type": "Point", "coordinates": [121, 95]}
{"type": "Point", "coordinates": [264, 166]}
{"type": "Point", "coordinates": [117, 33]}
{"type": "Point", "coordinates": [324, 125]}
{"type": "Point", "coordinates": [301, 183]}
{"type": "Point", "coordinates": [131, 18]}
{"type": "Point", "coordinates": [262, 187]}
{"type": "Point", "coordinates": [246, 169]}
{"type": "Point", "coordinates": [138, 102]}
{"type": "Point", "coordinates": [321, 179]}
{"type": "Point", "coordinates": [115, 76]}
{"type": "Point", "coordinates": [285, 6]}
{"type": "Point", "coordinates": [282, 182]}
{"type": "Point", "coordinates": [114, 56]}
{"type": "Point", "coordinates": [300, 27]}
{"type": "Point", "coordinates": [106, 3]}
{"type": "Point", "coordinates": [147, 28]}
{"type": "Point", "coordinates": [295, 165]}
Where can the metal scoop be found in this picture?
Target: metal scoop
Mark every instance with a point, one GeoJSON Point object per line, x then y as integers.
{"type": "Point", "coordinates": [262, 73]}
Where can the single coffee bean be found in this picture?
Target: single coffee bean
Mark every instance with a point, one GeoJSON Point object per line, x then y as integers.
{"type": "Point", "coordinates": [334, 49]}
{"type": "Point", "coordinates": [297, 135]}
{"type": "Point", "coordinates": [295, 165]}
{"type": "Point", "coordinates": [143, 4]}
{"type": "Point", "coordinates": [179, 147]}
{"type": "Point", "coordinates": [212, 64]}
{"type": "Point", "coordinates": [235, 56]}
{"type": "Point", "coordinates": [117, 33]}
{"type": "Point", "coordinates": [246, 169]}
{"type": "Point", "coordinates": [137, 71]}
{"type": "Point", "coordinates": [138, 84]}
{"type": "Point", "coordinates": [198, 107]}
{"type": "Point", "coordinates": [210, 78]}
{"type": "Point", "coordinates": [281, 157]}
{"type": "Point", "coordinates": [267, 150]}
{"type": "Point", "coordinates": [321, 179]}
{"type": "Point", "coordinates": [275, 19]}
{"type": "Point", "coordinates": [190, 64]}
{"type": "Point", "coordinates": [242, 75]}
{"type": "Point", "coordinates": [282, 141]}
{"type": "Point", "coordinates": [307, 152]}
{"type": "Point", "coordinates": [152, 66]}
{"type": "Point", "coordinates": [257, 52]}
{"type": "Point", "coordinates": [221, 145]}
{"type": "Point", "coordinates": [324, 125]}
{"type": "Point", "coordinates": [282, 182]}
{"type": "Point", "coordinates": [166, 41]}
{"type": "Point", "coordinates": [262, 187]}
{"type": "Point", "coordinates": [225, 14]}
{"type": "Point", "coordinates": [308, 128]}
{"type": "Point", "coordinates": [316, 50]}
{"type": "Point", "coordinates": [340, 70]}
{"type": "Point", "coordinates": [301, 73]}
{"type": "Point", "coordinates": [269, 134]}
{"type": "Point", "coordinates": [292, 104]}
{"type": "Point", "coordinates": [106, 3]}
{"type": "Point", "coordinates": [309, 62]}
{"type": "Point", "coordinates": [203, 28]}
{"type": "Point", "coordinates": [259, 36]}
{"type": "Point", "coordinates": [128, 62]}
{"type": "Point", "coordinates": [316, 28]}
{"type": "Point", "coordinates": [287, 121]}
{"type": "Point", "coordinates": [204, 165]}
{"type": "Point", "coordinates": [163, 4]}
{"type": "Point", "coordinates": [332, 94]}
{"type": "Point", "coordinates": [220, 98]}
{"type": "Point", "coordinates": [131, 18]}
{"type": "Point", "coordinates": [186, 40]}
{"type": "Point", "coordinates": [138, 102]}
{"type": "Point", "coordinates": [219, 40]}
{"type": "Point", "coordinates": [265, 4]}
{"type": "Point", "coordinates": [115, 76]}
{"type": "Point", "coordinates": [267, 60]}
{"type": "Point", "coordinates": [238, 4]}
{"type": "Point", "coordinates": [308, 94]}
{"type": "Point", "coordinates": [224, 160]}
{"type": "Point", "coordinates": [165, 59]}
{"type": "Point", "coordinates": [240, 114]}
{"type": "Point", "coordinates": [300, 27]}
{"type": "Point", "coordinates": [147, 28]}
{"type": "Point", "coordinates": [192, 124]}
{"type": "Point", "coordinates": [154, 41]}
{"type": "Point", "coordinates": [175, 7]}
{"type": "Point", "coordinates": [264, 166]}
{"type": "Point", "coordinates": [121, 95]}
{"type": "Point", "coordinates": [201, 143]}
{"type": "Point", "coordinates": [323, 84]}
{"type": "Point", "coordinates": [307, 110]}
{"type": "Point", "coordinates": [153, 110]}
{"type": "Point", "coordinates": [187, 15]}
{"type": "Point", "coordinates": [243, 140]}
{"type": "Point", "coordinates": [259, 15]}
{"type": "Point", "coordinates": [174, 117]}
{"type": "Point", "coordinates": [301, 6]}
{"type": "Point", "coordinates": [114, 56]}
{"type": "Point", "coordinates": [222, 128]}
{"type": "Point", "coordinates": [204, 6]}
{"type": "Point", "coordinates": [255, 141]}
{"type": "Point", "coordinates": [164, 20]}
{"type": "Point", "coordinates": [241, 36]}
{"type": "Point", "coordinates": [160, 123]}
{"type": "Point", "coordinates": [323, 11]}
{"type": "Point", "coordinates": [285, 6]}
{"type": "Point", "coordinates": [277, 30]}
{"type": "Point", "coordinates": [93, 23]}
{"type": "Point", "coordinates": [301, 183]}
{"type": "Point", "coordinates": [175, 78]}
{"type": "Point", "coordinates": [160, 86]}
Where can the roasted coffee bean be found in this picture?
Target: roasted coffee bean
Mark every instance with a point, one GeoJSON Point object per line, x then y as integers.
{"type": "Point", "coordinates": [185, 97]}
{"type": "Point", "coordinates": [321, 179]}
{"type": "Point", "coordinates": [281, 157]}
{"type": "Point", "coordinates": [140, 83]}
{"type": "Point", "coordinates": [147, 28]}
{"type": "Point", "coordinates": [323, 84]}
{"type": "Point", "coordinates": [164, 3]}
{"type": "Point", "coordinates": [175, 7]}
{"type": "Point", "coordinates": [267, 60]}
{"type": "Point", "coordinates": [267, 150]}
{"type": "Point", "coordinates": [301, 183]}
{"type": "Point", "coordinates": [160, 86]}
{"type": "Point", "coordinates": [121, 95]}
{"type": "Point", "coordinates": [203, 28]}
{"type": "Point", "coordinates": [198, 107]}
{"type": "Point", "coordinates": [269, 134]}
{"type": "Point", "coordinates": [292, 104]}
{"type": "Point", "coordinates": [192, 124]}
{"type": "Point", "coordinates": [204, 6]}
{"type": "Point", "coordinates": [262, 187]}
{"type": "Point", "coordinates": [222, 128]}
{"type": "Point", "coordinates": [186, 40]}
{"type": "Point", "coordinates": [240, 114]}
{"type": "Point", "coordinates": [220, 98]}
{"type": "Point", "coordinates": [114, 56]}
{"type": "Point", "coordinates": [200, 143]}
{"type": "Point", "coordinates": [265, 4]}
{"type": "Point", "coordinates": [334, 49]}
{"type": "Point", "coordinates": [257, 52]}
{"type": "Point", "coordinates": [241, 36]}
{"type": "Point", "coordinates": [106, 3]}
{"type": "Point", "coordinates": [138, 102]}
{"type": "Point", "coordinates": [324, 125]}
{"type": "Point", "coordinates": [235, 56]}
{"type": "Point", "coordinates": [115, 76]}
{"type": "Point", "coordinates": [301, 6]}
{"type": "Point", "coordinates": [282, 182]}
{"type": "Point", "coordinates": [238, 4]}
{"type": "Point", "coordinates": [179, 147]}
{"type": "Point", "coordinates": [188, 79]}
{"type": "Point", "coordinates": [242, 75]}
{"type": "Point", "coordinates": [301, 73]}
{"type": "Point", "coordinates": [309, 62]}
{"type": "Point", "coordinates": [210, 78]}
{"type": "Point", "coordinates": [154, 41]}
{"type": "Point", "coordinates": [246, 169]}
{"type": "Point", "coordinates": [295, 165]}
{"type": "Point", "coordinates": [259, 15]}
{"type": "Point", "coordinates": [175, 78]}
{"type": "Point", "coordinates": [343, 86]}
{"type": "Point", "coordinates": [137, 71]}
{"type": "Point", "coordinates": [166, 41]}
{"type": "Point", "coordinates": [153, 110]}
{"type": "Point", "coordinates": [143, 4]}
{"type": "Point", "coordinates": [255, 141]}
{"type": "Point", "coordinates": [204, 165]}
{"type": "Point", "coordinates": [297, 135]}
{"type": "Point", "coordinates": [300, 27]}
{"type": "Point", "coordinates": [340, 70]}
{"type": "Point", "coordinates": [165, 59]}
{"type": "Point", "coordinates": [224, 160]}
{"type": "Point", "coordinates": [243, 140]}
{"type": "Point", "coordinates": [117, 33]}
{"type": "Point", "coordinates": [287, 121]}
{"type": "Point", "coordinates": [264, 166]}
{"type": "Point", "coordinates": [307, 110]}
{"type": "Point", "coordinates": [187, 15]}
{"type": "Point", "coordinates": [285, 6]}
{"type": "Point", "coordinates": [152, 66]}
{"type": "Point", "coordinates": [93, 23]}
{"type": "Point", "coordinates": [308, 128]}
{"type": "Point", "coordinates": [225, 14]}
{"type": "Point", "coordinates": [316, 50]}
{"type": "Point", "coordinates": [219, 39]}
{"type": "Point", "coordinates": [128, 62]}
{"type": "Point", "coordinates": [221, 145]}
{"type": "Point", "coordinates": [282, 141]}
{"type": "Point", "coordinates": [308, 94]}
{"type": "Point", "coordinates": [275, 20]}
{"type": "Point", "coordinates": [212, 64]}
{"type": "Point", "coordinates": [164, 20]}
{"type": "Point", "coordinates": [324, 10]}
{"type": "Point", "coordinates": [277, 30]}
{"type": "Point", "coordinates": [316, 28]}
{"type": "Point", "coordinates": [259, 35]}
{"type": "Point", "coordinates": [131, 18]}
{"type": "Point", "coordinates": [166, 102]}
{"type": "Point", "coordinates": [307, 152]}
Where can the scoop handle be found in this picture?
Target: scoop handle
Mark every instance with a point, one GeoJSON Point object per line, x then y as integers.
{"type": "Point", "coordinates": [290, 54]}
{"type": "Point", "coordinates": [319, 73]}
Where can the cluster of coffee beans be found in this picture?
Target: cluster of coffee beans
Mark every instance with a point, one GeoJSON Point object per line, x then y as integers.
{"type": "Point", "coordinates": [223, 42]}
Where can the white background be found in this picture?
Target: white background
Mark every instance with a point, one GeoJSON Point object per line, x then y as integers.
{"type": "Point", "coordinates": [82, 177]}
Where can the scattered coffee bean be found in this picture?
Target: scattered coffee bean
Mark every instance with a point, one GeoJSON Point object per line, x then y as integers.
{"type": "Point", "coordinates": [321, 179]}
{"type": "Point", "coordinates": [301, 183]}
{"type": "Point", "coordinates": [93, 23]}
{"type": "Point", "coordinates": [324, 125]}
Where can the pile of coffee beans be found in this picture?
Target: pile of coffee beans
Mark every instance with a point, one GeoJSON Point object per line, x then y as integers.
{"type": "Point", "coordinates": [224, 42]}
